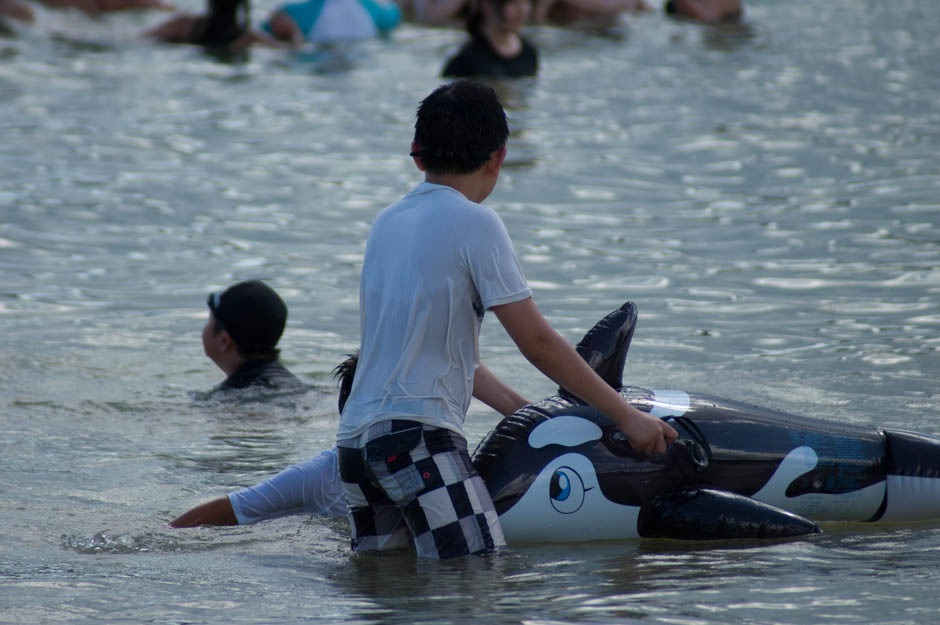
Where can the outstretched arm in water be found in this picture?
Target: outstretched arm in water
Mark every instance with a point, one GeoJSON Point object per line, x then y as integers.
{"type": "Point", "coordinates": [311, 487]}
{"type": "Point", "coordinates": [216, 512]}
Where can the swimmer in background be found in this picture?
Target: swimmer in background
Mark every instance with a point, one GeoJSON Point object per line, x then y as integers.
{"type": "Point", "coordinates": [588, 12]}
{"type": "Point", "coordinates": [322, 21]}
{"type": "Point", "coordinates": [21, 11]}
{"type": "Point", "coordinates": [496, 47]}
{"type": "Point", "coordinates": [436, 12]}
{"type": "Point", "coordinates": [241, 334]}
{"type": "Point", "coordinates": [706, 10]}
{"type": "Point", "coordinates": [94, 7]}
{"type": "Point", "coordinates": [227, 25]}
{"type": "Point", "coordinates": [16, 10]}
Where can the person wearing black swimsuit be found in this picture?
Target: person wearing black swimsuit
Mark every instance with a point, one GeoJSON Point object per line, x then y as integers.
{"type": "Point", "coordinates": [496, 47]}
{"type": "Point", "coordinates": [227, 25]}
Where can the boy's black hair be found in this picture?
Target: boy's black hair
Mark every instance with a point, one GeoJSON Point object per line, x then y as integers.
{"type": "Point", "coordinates": [458, 127]}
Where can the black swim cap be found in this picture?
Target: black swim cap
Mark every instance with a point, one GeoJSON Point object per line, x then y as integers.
{"type": "Point", "coordinates": [252, 313]}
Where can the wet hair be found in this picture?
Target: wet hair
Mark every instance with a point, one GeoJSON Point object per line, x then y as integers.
{"type": "Point", "coordinates": [458, 127]}
{"type": "Point", "coordinates": [227, 21]}
{"type": "Point", "coordinates": [344, 374]}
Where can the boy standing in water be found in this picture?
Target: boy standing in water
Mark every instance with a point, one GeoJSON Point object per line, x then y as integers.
{"type": "Point", "coordinates": [434, 263]}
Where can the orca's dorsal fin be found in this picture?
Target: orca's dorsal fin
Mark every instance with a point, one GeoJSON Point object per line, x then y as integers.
{"type": "Point", "coordinates": [605, 346]}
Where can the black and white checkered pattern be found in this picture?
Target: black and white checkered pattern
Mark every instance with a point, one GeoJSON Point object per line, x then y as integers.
{"type": "Point", "coordinates": [411, 483]}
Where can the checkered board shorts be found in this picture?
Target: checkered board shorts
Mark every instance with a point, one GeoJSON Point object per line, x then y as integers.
{"type": "Point", "coordinates": [413, 484]}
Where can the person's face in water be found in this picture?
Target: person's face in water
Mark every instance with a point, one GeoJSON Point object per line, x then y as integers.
{"type": "Point", "coordinates": [512, 14]}
{"type": "Point", "coordinates": [212, 341]}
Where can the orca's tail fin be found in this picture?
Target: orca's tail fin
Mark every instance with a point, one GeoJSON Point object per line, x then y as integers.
{"type": "Point", "coordinates": [344, 374]}
{"type": "Point", "coordinates": [605, 346]}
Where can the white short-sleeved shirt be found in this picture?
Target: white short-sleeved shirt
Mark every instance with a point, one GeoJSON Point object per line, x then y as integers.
{"type": "Point", "coordinates": [434, 262]}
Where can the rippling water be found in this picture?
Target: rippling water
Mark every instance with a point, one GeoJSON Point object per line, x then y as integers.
{"type": "Point", "coordinates": [767, 194]}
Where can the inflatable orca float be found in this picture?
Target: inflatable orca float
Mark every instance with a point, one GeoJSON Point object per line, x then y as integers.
{"type": "Point", "coordinates": [560, 471]}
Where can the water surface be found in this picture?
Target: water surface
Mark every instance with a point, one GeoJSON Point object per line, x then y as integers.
{"type": "Point", "coordinates": [767, 194]}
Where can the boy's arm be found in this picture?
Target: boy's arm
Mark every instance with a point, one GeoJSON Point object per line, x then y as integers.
{"type": "Point", "coordinates": [216, 512]}
{"type": "Point", "coordinates": [555, 357]}
{"type": "Point", "coordinates": [541, 8]}
{"type": "Point", "coordinates": [491, 391]}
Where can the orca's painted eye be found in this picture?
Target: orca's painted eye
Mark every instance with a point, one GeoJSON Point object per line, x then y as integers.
{"type": "Point", "coordinates": [566, 490]}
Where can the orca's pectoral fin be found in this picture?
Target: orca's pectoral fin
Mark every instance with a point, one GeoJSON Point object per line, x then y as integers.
{"type": "Point", "coordinates": [705, 513]}
{"type": "Point", "coordinates": [605, 346]}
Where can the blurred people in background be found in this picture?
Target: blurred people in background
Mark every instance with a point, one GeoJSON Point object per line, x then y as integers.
{"type": "Point", "coordinates": [705, 10]}
{"type": "Point", "coordinates": [568, 12]}
{"type": "Point", "coordinates": [21, 11]}
{"type": "Point", "coordinates": [109, 6]}
{"type": "Point", "coordinates": [324, 21]}
{"type": "Point", "coordinates": [436, 12]}
{"type": "Point", "coordinates": [496, 47]}
{"type": "Point", "coordinates": [225, 25]}
{"type": "Point", "coordinates": [16, 10]}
